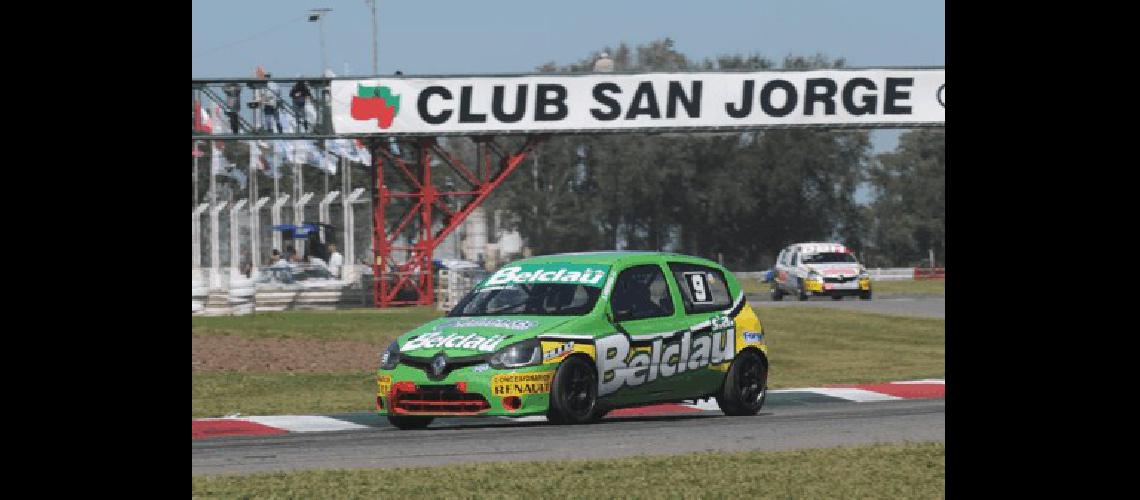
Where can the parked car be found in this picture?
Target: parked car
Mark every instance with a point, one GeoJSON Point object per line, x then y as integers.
{"type": "Point", "coordinates": [827, 269]}
{"type": "Point", "coordinates": [573, 336]}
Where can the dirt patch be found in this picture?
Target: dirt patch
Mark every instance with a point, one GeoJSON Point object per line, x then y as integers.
{"type": "Point", "coordinates": [219, 353]}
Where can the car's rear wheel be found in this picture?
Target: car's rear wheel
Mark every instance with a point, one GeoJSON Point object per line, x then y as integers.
{"type": "Point", "coordinates": [574, 393]}
{"type": "Point", "coordinates": [407, 423]}
{"type": "Point", "coordinates": [745, 386]}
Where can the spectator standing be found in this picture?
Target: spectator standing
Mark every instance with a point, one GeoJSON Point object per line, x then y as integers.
{"type": "Point", "coordinates": [269, 102]}
{"type": "Point", "coordinates": [336, 261]}
{"type": "Point", "coordinates": [300, 94]}
{"type": "Point", "coordinates": [233, 103]}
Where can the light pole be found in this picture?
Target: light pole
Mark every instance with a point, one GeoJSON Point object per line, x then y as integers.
{"type": "Point", "coordinates": [375, 44]}
{"type": "Point", "coordinates": [318, 16]}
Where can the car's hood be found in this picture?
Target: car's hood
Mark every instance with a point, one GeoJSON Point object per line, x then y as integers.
{"type": "Point", "coordinates": [474, 335]}
{"type": "Point", "coordinates": [835, 269]}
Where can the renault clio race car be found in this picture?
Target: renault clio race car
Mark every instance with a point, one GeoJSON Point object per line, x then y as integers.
{"type": "Point", "coordinates": [829, 269]}
{"type": "Point", "coordinates": [573, 336]}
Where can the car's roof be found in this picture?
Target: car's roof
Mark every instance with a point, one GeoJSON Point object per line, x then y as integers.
{"type": "Point", "coordinates": [610, 258]}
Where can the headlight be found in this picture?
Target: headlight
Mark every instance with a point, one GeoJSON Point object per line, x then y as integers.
{"type": "Point", "coordinates": [863, 273]}
{"type": "Point", "coordinates": [815, 276]}
{"type": "Point", "coordinates": [525, 353]}
{"type": "Point", "coordinates": [391, 356]}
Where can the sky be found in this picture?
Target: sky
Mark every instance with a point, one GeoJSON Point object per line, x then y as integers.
{"type": "Point", "coordinates": [229, 38]}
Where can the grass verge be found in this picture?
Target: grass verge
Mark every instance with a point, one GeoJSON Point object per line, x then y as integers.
{"type": "Point", "coordinates": [221, 394]}
{"type": "Point", "coordinates": [808, 347]}
{"type": "Point", "coordinates": [815, 346]}
{"type": "Point", "coordinates": [910, 470]}
{"type": "Point", "coordinates": [378, 326]}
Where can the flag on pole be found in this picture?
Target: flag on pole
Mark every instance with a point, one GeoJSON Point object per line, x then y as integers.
{"type": "Point", "coordinates": [218, 122]}
{"type": "Point", "coordinates": [201, 119]}
{"type": "Point", "coordinates": [360, 153]}
{"type": "Point", "coordinates": [218, 163]}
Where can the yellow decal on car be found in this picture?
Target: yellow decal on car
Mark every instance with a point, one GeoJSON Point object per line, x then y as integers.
{"type": "Point", "coordinates": [383, 385]}
{"type": "Point", "coordinates": [521, 384]}
{"type": "Point", "coordinates": [748, 329]}
{"type": "Point", "coordinates": [556, 351]}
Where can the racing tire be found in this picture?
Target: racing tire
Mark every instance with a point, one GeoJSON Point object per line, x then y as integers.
{"type": "Point", "coordinates": [745, 386]}
{"type": "Point", "coordinates": [836, 297]}
{"type": "Point", "coordinates": [574, 393]}
{"type": "Point", "coordinates": [865, 295]}
{"type": "Point", "coordinates": [777, 294]}
{"type": "Point", "coordinates": [409, 423]}
{"type": "Point", "coordinates": [802, 293]}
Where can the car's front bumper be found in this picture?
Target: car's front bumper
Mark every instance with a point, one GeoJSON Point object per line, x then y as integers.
{"type": "Point", "coordinates": [856, 287]}
{"type": "Point", "coordinates": [469, 391]}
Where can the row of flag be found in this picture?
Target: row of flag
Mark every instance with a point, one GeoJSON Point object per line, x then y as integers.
{"type": "Point", "coordinates": [269, 155]}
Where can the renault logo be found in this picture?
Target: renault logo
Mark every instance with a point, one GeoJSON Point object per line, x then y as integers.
{"type": "Point", "coordinates": [942, 95]}
{"type": "Point", "coordinates": [438, 364]}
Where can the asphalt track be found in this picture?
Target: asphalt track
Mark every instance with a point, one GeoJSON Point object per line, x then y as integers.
{"type": "Point", "coordinates": [925, 307]}
{"type": "Point", "coordinates": [792, 424]}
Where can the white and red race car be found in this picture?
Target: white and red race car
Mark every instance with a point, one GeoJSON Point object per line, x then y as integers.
{"type": "Point", "coordinates": [807, 269]}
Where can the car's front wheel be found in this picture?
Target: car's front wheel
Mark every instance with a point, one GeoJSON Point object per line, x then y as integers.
{"type": "Point", "coordinates": [777, 294]}
{"type": "Point", "coordinates": [865, 295]}
{"type": "Point", "coordinates": [408, 423]}
{"type": "Point", "coordinates": [574, 393]}
{"type": "Point", "coordinates": [745, 386]}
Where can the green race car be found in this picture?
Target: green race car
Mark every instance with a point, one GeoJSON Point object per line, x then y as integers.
{"type": "Point", "coordinates": [573, 336]}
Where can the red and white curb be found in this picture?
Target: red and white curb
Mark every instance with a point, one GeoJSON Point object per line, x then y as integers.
{"type": "Point", "coordinates": [858, 393]}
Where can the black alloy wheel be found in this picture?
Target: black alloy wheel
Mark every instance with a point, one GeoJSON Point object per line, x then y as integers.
{"type": "Point", "coordinates": [745, 386]}
{"type": "Point", "coordinates": [574, 393]}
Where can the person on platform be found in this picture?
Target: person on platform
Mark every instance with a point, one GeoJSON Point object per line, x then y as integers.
{"type": "Point", "coordinates": [336, 261]}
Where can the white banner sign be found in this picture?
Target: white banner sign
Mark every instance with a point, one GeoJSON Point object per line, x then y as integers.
{"type": "Point", "coordinates": [601, 102]}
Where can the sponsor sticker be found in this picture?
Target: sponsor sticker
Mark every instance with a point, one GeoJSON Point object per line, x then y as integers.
{"type": "Point", "coordinates": [508, 324]}
{"type": "Point", "coordinates": [432, 340]}
{"type": "Point", "coordinates": [521, 384]}
{"type": "Point", "coordinates": [575, 274]}
{"type": "Point", "coordinates": [753, 336]}
{"type": "Point", "coordinates": [383, 385]}
{"type": "Point", "coordinates": [480, 368]}
{"type": "Point", "coordinates": [553, 352]}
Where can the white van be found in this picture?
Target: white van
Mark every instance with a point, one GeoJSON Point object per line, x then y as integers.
{"type": "Point", "coordinates": [807, 269]}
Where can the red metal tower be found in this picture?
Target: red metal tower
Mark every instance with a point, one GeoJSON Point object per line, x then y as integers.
{"type": "Point", "coordinates": [410, 280]}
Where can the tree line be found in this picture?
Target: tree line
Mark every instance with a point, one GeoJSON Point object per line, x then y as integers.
{"type": "Point", "coordinates": [734, 197]}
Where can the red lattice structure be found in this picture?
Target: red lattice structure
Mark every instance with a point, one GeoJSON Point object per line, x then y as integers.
{"type": "Point", "coordinates": [409, 281]}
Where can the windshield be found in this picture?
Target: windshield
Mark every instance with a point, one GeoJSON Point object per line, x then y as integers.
{"type": "Point", "coordinates": [828, 258]}
{"type": "Point", "coordinates": [544, 299]}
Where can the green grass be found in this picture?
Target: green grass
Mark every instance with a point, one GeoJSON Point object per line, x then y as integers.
{"type": "Point", "coordinates": [377, 326]}
{"type": "Point", "coordinates": [221, 394]}
{"type": "Point", "coordinates": [909, 470]}
{"type": "Point", "coordinates": [814, 346]}
{"type": "Point", "coordinates": [910, 288]}
{"type": "Point", "coordinates": [808, 347]}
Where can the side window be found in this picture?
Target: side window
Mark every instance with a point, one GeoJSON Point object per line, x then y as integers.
{"type": "Point", "coordinates": [795, 256]}
{"type": "Point", "coordinates": [780, 258]}
{"type": "Point", "coordinates": [641, 292]}
{"type": "Point", "coordinates": [703, 289]}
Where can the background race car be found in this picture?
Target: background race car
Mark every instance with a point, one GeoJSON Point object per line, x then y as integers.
{"type": "Point", "coordinates": [829, 269]}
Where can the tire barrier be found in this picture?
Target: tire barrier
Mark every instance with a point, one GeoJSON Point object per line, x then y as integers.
{"type": "Point", "coordinates": [199, 292]}
{"type": "Point", "coordinates": [241, 297]}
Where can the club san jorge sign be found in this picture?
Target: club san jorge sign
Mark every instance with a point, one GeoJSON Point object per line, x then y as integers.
{"type": "Point", "coordinates": [645, 101]}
